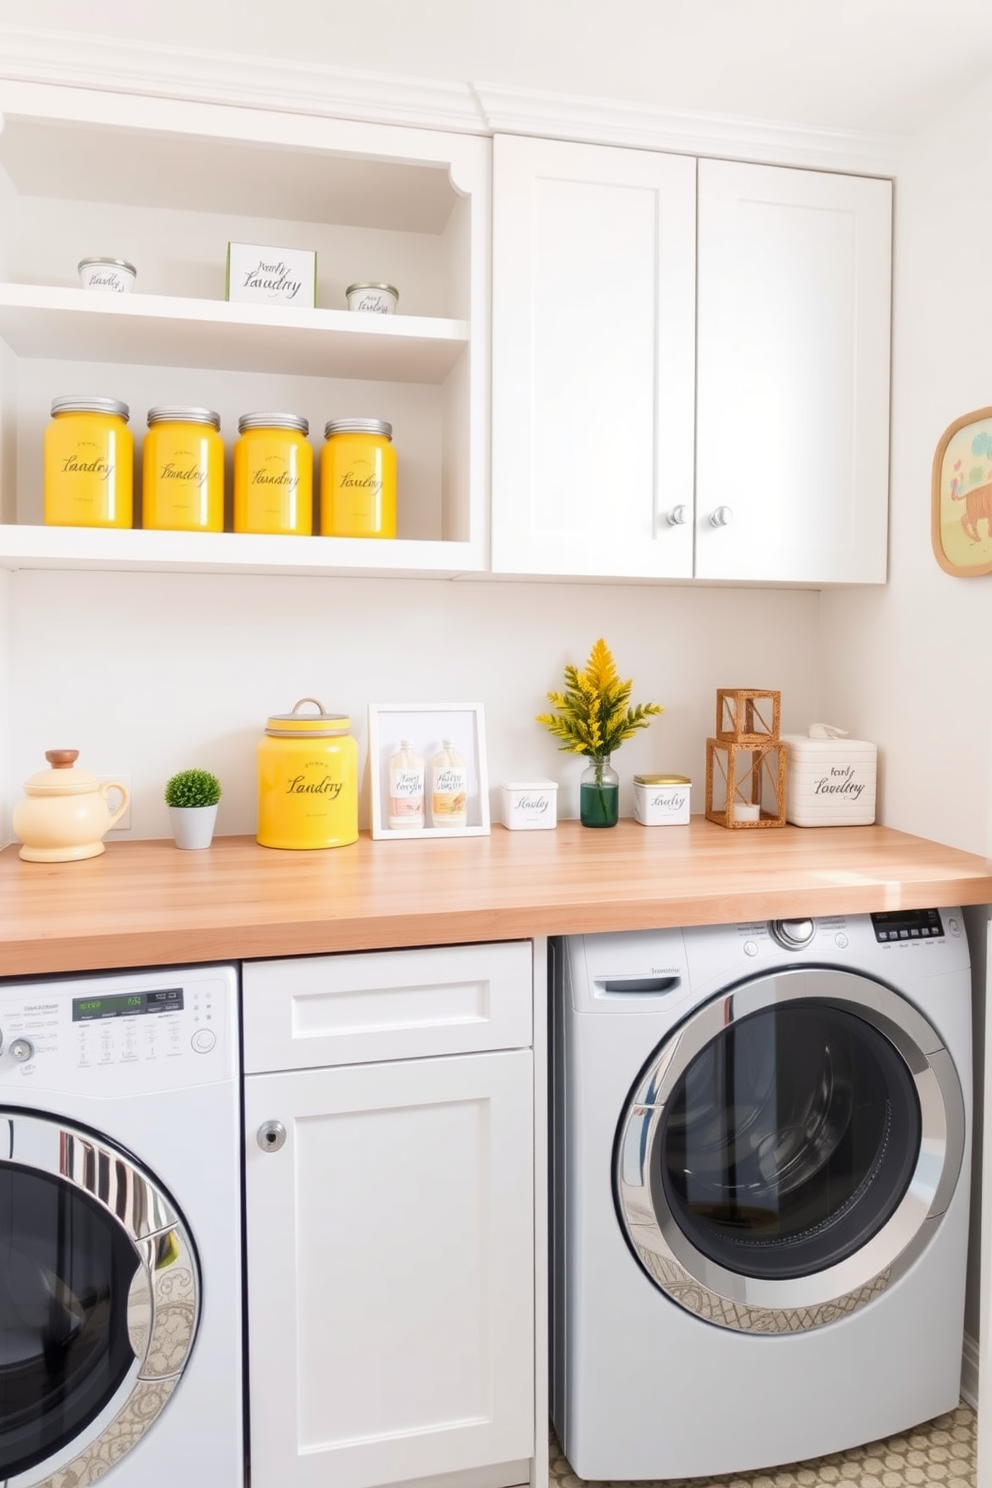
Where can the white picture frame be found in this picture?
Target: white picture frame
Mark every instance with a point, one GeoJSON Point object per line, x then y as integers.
{"type": "Point", "coordinates": [426, 725]}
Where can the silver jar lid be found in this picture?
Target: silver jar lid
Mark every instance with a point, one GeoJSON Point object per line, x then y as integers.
{"type": "Point", "coordinates": [389, 288]}
{"type": "Point", "coordinates": [178, 413]}
{"type": "Point", "coordinates": [293, 421]}
{"type": "Point", "coordinates": [358, 426]}
{"type": "Point", "coordinates": [91, 405]}
{"type": "Point", "coordinates": [115, 263]}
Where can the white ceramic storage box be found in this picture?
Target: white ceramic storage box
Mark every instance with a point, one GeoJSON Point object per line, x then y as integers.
{"type": "Point", "coordinates": [829, 782]}
{"type": "Point", "coordinates": [529, 805]}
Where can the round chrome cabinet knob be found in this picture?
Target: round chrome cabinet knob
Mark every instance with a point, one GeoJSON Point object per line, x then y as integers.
{"type": "Point", "coordinates": [793, 934]}
{"type": "Point", "coordinates": [271, 1136]}
{"type": "Point", "coordinates": [678, 516]}
{"type": "Point", "coordinates": [721, 517]}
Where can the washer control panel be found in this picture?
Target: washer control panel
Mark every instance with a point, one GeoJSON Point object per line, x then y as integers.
{"type": "Point", "coordinates": [907, 924]}
{"type": "Point", "coordinates": [159, 1029]}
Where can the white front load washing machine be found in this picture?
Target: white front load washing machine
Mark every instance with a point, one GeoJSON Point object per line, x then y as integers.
{"type": "Point", "coordinates": [120, 1231]}
{"type": "Point", "coordinates": [760, 1175]}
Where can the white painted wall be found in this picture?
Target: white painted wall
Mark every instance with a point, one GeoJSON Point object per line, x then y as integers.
{"type": "Point", "coordinates": [145, 674]}
{"type": "Point", "coordinates": [908, 663]}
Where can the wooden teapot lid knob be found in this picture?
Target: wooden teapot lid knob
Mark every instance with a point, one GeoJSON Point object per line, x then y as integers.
{"type": "Point", "coordinates": [61, 759]}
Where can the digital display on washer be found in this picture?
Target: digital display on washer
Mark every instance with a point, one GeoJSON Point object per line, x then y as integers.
{"type": "Point", "coordinates": [127, 1004]}
{"type": "Point", "coordinates": [907, 924]}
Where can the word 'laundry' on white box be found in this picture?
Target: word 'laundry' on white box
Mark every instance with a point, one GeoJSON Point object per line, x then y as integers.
{"type": "Point", "coordinates": [829, 781]}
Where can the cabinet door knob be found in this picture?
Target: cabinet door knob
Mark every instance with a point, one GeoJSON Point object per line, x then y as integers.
{"type": "Point", "coordinates": [270, 1136]}
{"type": "Point", "coordinates": [678, 516]}
{"type": "Point", "coordinates": [722, 517]}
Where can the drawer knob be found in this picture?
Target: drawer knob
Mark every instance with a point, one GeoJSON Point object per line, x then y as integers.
{"type": "Point", "coordinates": [271, 1135]}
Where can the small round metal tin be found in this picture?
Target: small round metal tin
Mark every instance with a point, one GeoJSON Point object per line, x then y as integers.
{"type": "Point", "coordinates": [380, 299]}
{"type": "Point", "coordinates": [110, 275]}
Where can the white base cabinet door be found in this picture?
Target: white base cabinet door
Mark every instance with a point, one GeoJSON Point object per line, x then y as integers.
{"type": "Point", "coordinates": [391, 1270]}
{"type": "Point", "coordinates": [792, 403]}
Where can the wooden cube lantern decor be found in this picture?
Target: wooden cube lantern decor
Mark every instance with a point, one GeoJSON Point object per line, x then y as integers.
{"type": "Point", "coordinates": [745, 763]}
{"type": "Point", "coordinates": [747, 715]}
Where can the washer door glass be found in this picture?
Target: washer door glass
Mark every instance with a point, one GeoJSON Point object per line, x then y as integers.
{"type": "Point", "coordinates": [789, 1141]}
{"type": "Point", "coordinates": [789, 1149]}
{"type": "Point", "coordinates": [66, 1267]}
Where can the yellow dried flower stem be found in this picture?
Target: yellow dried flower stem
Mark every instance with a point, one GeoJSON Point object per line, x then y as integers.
{"type": "Point", "coordinates": [593, 716]}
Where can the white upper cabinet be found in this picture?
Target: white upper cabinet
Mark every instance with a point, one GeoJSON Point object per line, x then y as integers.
{"type": "Point", "coordinates": [167, 184]}
{"type": "Point", "coordinates": [593, 345]}
{"type": "Point", "coordinates": [792, 402]}
{"type": "Point", "coordinates": [688, 382]}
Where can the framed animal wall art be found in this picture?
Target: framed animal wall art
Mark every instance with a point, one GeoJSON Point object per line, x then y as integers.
{"type": "Point", "coordinates": [961, 507]}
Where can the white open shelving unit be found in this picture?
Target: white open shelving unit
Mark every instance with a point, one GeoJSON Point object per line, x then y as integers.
{"type": "Point", "coordinates": [167, 184]}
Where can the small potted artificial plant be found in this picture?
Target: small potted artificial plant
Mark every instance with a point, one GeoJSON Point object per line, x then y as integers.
{"type": "Point", "coordinates": [192, 797]}
{"type": "Point", "coordinates": [593, 718]}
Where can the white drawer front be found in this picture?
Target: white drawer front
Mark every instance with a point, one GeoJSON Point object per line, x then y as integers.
{"type": "Point", "coordinates": [354, 1009]}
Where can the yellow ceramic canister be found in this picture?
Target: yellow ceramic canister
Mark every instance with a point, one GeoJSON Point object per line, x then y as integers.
{"type": "Point", "coordinates": [182, 478]}
{"type": "Point", "coordinates": [358, 479]}
{"type": "Point", "coordinates": [307, 780]}
{"type": "Point", "coordinates": [89, 464]}
{"type": "Point", "coordinates": [273, 474]}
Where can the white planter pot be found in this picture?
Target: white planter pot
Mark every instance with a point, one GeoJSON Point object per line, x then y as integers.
{"type": "Point", "coordinates": [193, 826]}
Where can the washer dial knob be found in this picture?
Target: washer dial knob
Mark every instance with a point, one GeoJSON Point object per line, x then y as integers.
{"type": "Point", "coordinates": [793, 934]}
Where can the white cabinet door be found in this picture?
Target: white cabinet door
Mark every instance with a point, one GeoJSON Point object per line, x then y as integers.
{"type": "Point", "coordinates": [391, 1270]}
{"type": "Point", "coordinates": [792, 412]}
{"type": "Point", "coordinates": [593, 326]}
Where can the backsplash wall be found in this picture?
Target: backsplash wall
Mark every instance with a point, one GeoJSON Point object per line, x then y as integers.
{"type": "Point", "coordinates": [145, 674]}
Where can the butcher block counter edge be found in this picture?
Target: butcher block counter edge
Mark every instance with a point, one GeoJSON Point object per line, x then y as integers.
{"type": "Point", "coordinates": [148, 903]}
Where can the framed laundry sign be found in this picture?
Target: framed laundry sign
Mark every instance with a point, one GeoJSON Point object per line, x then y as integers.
{"type": "Point", "coordinates": [961, 498]}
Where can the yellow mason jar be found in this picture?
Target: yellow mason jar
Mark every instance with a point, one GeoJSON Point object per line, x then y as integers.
{"type": "Point", "coordinates": [307, 780]}
{"type": "Point", "coordinates": [358, 479]}
{"type": "Point", "coordinates": [182, 477]}
{"type": "Point", "coordinates": [273, 474]}
{"type": "Point", "coordinates": [89, 464]}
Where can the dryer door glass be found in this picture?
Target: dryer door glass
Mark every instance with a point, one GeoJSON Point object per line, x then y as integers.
{"type": "Point", "coordinates": [789, 1141]}
{"type": "Point", "coordinates": [66, 1266]}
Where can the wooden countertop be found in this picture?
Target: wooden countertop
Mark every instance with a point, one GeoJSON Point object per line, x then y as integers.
{"type": "Point", "coordinates": [147, 903]}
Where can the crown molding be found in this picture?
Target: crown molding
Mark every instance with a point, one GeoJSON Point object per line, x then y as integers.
{"type": "Point", "coordinates": [67, 59]}
{"type": "Point", "coordinates": [85, 61]}
{"type": "Point", "coordinates": [510, 110]}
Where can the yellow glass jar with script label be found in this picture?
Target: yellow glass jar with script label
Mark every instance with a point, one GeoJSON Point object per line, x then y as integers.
{"type": "Point", "coordinates": [358, 479]}
{"type": "Point", "coordinates": [307, 780]}
{"type": "Point", "coordinates": [273, 475]}
{"type": "Point", "coordinates": [89, 464]}
{"type": "Point", "coordinates": [182, 476]}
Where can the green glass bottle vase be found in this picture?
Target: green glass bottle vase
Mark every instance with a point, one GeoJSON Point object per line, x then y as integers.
{"type": "Point", "coordinates": [599, 793]}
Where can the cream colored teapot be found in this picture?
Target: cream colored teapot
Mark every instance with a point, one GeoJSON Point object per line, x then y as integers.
{"type": "Point", "coordinates": [65, 813]}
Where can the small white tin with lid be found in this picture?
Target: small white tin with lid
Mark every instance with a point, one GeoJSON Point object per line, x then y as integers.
{"type": "Point", "coordinates": [529, 805]}
{"type": "Point", "coordinates": [661, 800]}
{"type": "Point", "coordinates": [380, 299]}
{"type": "Point", "coordinates": [111, 275]}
